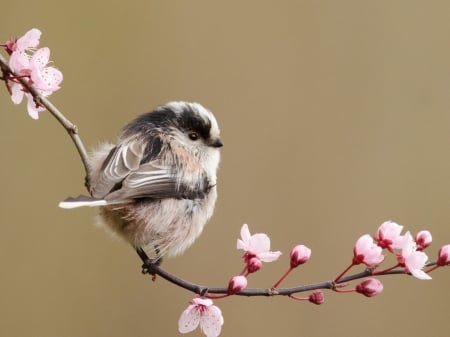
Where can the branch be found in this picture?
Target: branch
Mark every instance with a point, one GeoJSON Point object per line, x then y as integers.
{"type": "Point", "coordinates": [43, 101]}
{"type": "Point", "coordinates": [152, 268]}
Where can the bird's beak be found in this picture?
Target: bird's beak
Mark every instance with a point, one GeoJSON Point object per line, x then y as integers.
{"type": "Point", "coordinates": [215, 143]}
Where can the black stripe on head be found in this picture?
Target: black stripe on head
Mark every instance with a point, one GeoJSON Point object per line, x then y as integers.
{"type": "Point", "coordinates": [190, 119]}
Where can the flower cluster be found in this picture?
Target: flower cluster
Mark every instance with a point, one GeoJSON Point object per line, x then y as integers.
{"type": "Point", "coordinates": [407, 251]}
{"type": "Point", "coordinates": [31, 64]}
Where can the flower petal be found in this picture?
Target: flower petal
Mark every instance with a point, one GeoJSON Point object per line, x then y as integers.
{"type": "Point", "coordinates": [29, 40]}
{"type": "Point", "coordinates": [245, 233]}
{"type": "Point", "coordinates": [31, 107]}
{"type": "Point", "coordinates": [16, 93]}
{"type": "Point", "coordinates": [259, 243]}
{"type": "Point", "coordinates": [269, 256]}
{"type": "Point", "coordinates": [189, 319]}
{"type": "Point", "coordinates": [40, 58]}
{"type": "Point", "coordinates": [211, 321]}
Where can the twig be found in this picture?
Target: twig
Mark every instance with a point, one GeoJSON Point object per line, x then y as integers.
{"type": "Point", "coordinates": [154, 269]}
{"type": "Point", "coordinates": [41, 100]}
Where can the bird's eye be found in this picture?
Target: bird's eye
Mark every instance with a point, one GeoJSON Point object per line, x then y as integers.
{"type": "Point", "coordinates": [193, 135]}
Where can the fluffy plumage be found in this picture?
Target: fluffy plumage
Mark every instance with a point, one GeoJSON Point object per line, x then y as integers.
{"type": "Point", "coordinates": [157, 185]}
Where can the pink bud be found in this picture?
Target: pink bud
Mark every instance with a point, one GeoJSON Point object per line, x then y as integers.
{"type": "Point", "coordinates": [254, 264]}
{"type": "Point", "coordinates": [317, 297]}
{"type": "Point", "coordinates": [236, 284]}
{"type": "Point", "coordinates": [423, 240]}
{"type": "Point", "coordinates": [444, 256]}
{"type": "Point", "coordinates": [370, 287]}
{"type": "Point", "coordinates": [299, 255]}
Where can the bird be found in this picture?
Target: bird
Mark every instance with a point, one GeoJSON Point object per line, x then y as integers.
{"type": "Point", "coordinates": [156, 186]}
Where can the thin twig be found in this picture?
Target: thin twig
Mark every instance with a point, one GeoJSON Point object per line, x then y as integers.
{"type": "Point", "coordinates": [154, 269]}
{"type": "Point", "coordinates": [41, 100]}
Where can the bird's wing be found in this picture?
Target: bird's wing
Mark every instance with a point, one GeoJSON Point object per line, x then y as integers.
{"type": "Point", "coordinates": [122, 159]}
{"type": "Point", "coordinates": [153, 180]}
{"type": "Point", "coordinates": [124, 177]}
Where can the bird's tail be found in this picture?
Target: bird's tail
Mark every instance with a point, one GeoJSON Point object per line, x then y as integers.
{"type": "Point", "coordinates": [81, 201]}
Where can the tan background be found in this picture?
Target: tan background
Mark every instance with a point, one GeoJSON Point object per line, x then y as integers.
{"type": "Point", "coordinates": [335, 117]}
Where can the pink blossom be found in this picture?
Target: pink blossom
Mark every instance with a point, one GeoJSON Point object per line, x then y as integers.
{"type": "Point", "coordinates": [256, 245]}
{"type": "Point", "coordinates": [443, 256]}
{"type": "Point", "coordinates": [423, 240]}
{"type": "Point", "coordinates": [412, 259]}
{"type": "Point", "coordinates": [367, 252]}
{"type": "Point", "coordinates": [299, 254]}
{"type": "Point", "coordinates": [26, 62]}
{"type": "Point", "coordinates": [201, 311]}
{"type": "Point", "coordinates": [370, 287]}
{"type": "Point", "coordinates": [236, 284]}
{"type": "Point", "coordinates": [389, 235]}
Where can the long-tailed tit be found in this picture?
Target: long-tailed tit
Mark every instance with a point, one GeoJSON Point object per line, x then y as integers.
{"type": "Point", "coordinates": [156, 186]}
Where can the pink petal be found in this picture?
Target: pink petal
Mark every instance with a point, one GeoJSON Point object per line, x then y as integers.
{"type": "Point", "coordinates": [245, 233]}
{"type": "Point", "coordinates": [31, 107]}
{"type": "Point", "coordinates": [19, 61]}
{"type": "Point", "coordinates": [16, 93]}
{"type": "Point", "coordinates": [29, 40]}
{"type": "Point", "coordinates": [241, 245]}
{"type": "Point", "coordinates": [414, 264]}
{"type": "Point", "coordinates": [189, 319]}
{"type": "Point", "coordinates": [207, 302]}
{"type": "Point", "coordinates": [211, 321]}
{"type": "Point", "coordinates": [259, 243]}
{"type": "Point", "coordinates": [269, 256]}
{"type": "Point", "coordinates": [40, 58]}
{"type": "Point", "coordinates": [46, 79]}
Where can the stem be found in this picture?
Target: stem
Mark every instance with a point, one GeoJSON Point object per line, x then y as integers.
{"type": "Point", "coordinates": [282, 278]}
{"type": "Point", "coordinates": [343, 273]}
{"type": "Point", "coordinates": [39, 99]}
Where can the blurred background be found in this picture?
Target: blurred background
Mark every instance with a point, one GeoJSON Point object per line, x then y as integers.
{"type": "Point", "coordinates": [335, 117]}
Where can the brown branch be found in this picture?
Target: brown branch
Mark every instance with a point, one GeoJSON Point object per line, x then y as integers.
{"type": "Point", "coordinates": [43, 101]}
{"type": "Point", "coordinates": [151, 268]}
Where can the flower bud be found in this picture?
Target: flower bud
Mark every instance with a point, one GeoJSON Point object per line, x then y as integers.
{"type": "Point", "coordinates": [423, 240]}
{"type": "Point", "coordinates": [236, 284]}
{"type": "Point", "coordinates": [317, 297]}
{"type": "Point", "coordinates": [443, 256]}
{"type": "Point", "coordinates": [299, 255]}
{"type": "Point", "coordinates": [254, 264]}
{"type": "Point", "coordinates": [369, 287]}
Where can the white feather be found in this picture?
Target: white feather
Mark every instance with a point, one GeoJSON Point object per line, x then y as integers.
{"type": "Point", "coordinates": [75, 204]}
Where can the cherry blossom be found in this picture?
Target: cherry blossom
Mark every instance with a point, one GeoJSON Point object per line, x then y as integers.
{"type": "Point", "coordinates": [201, 311]}
{"type": "Point", "coordinates": [256, 246]}
{"type": "Point", "coordinates": [367, 252]}
{"type": "Point", "coordinates": [299, 254]}
{"type": "Point", "coordinates": [370, 287]}
{"type": "Point", "coordinates": [389, 235]}
{"type": "Point", "coordinates": [26, 62]}
{"type": "Point", "coordinates": [412, 259]}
